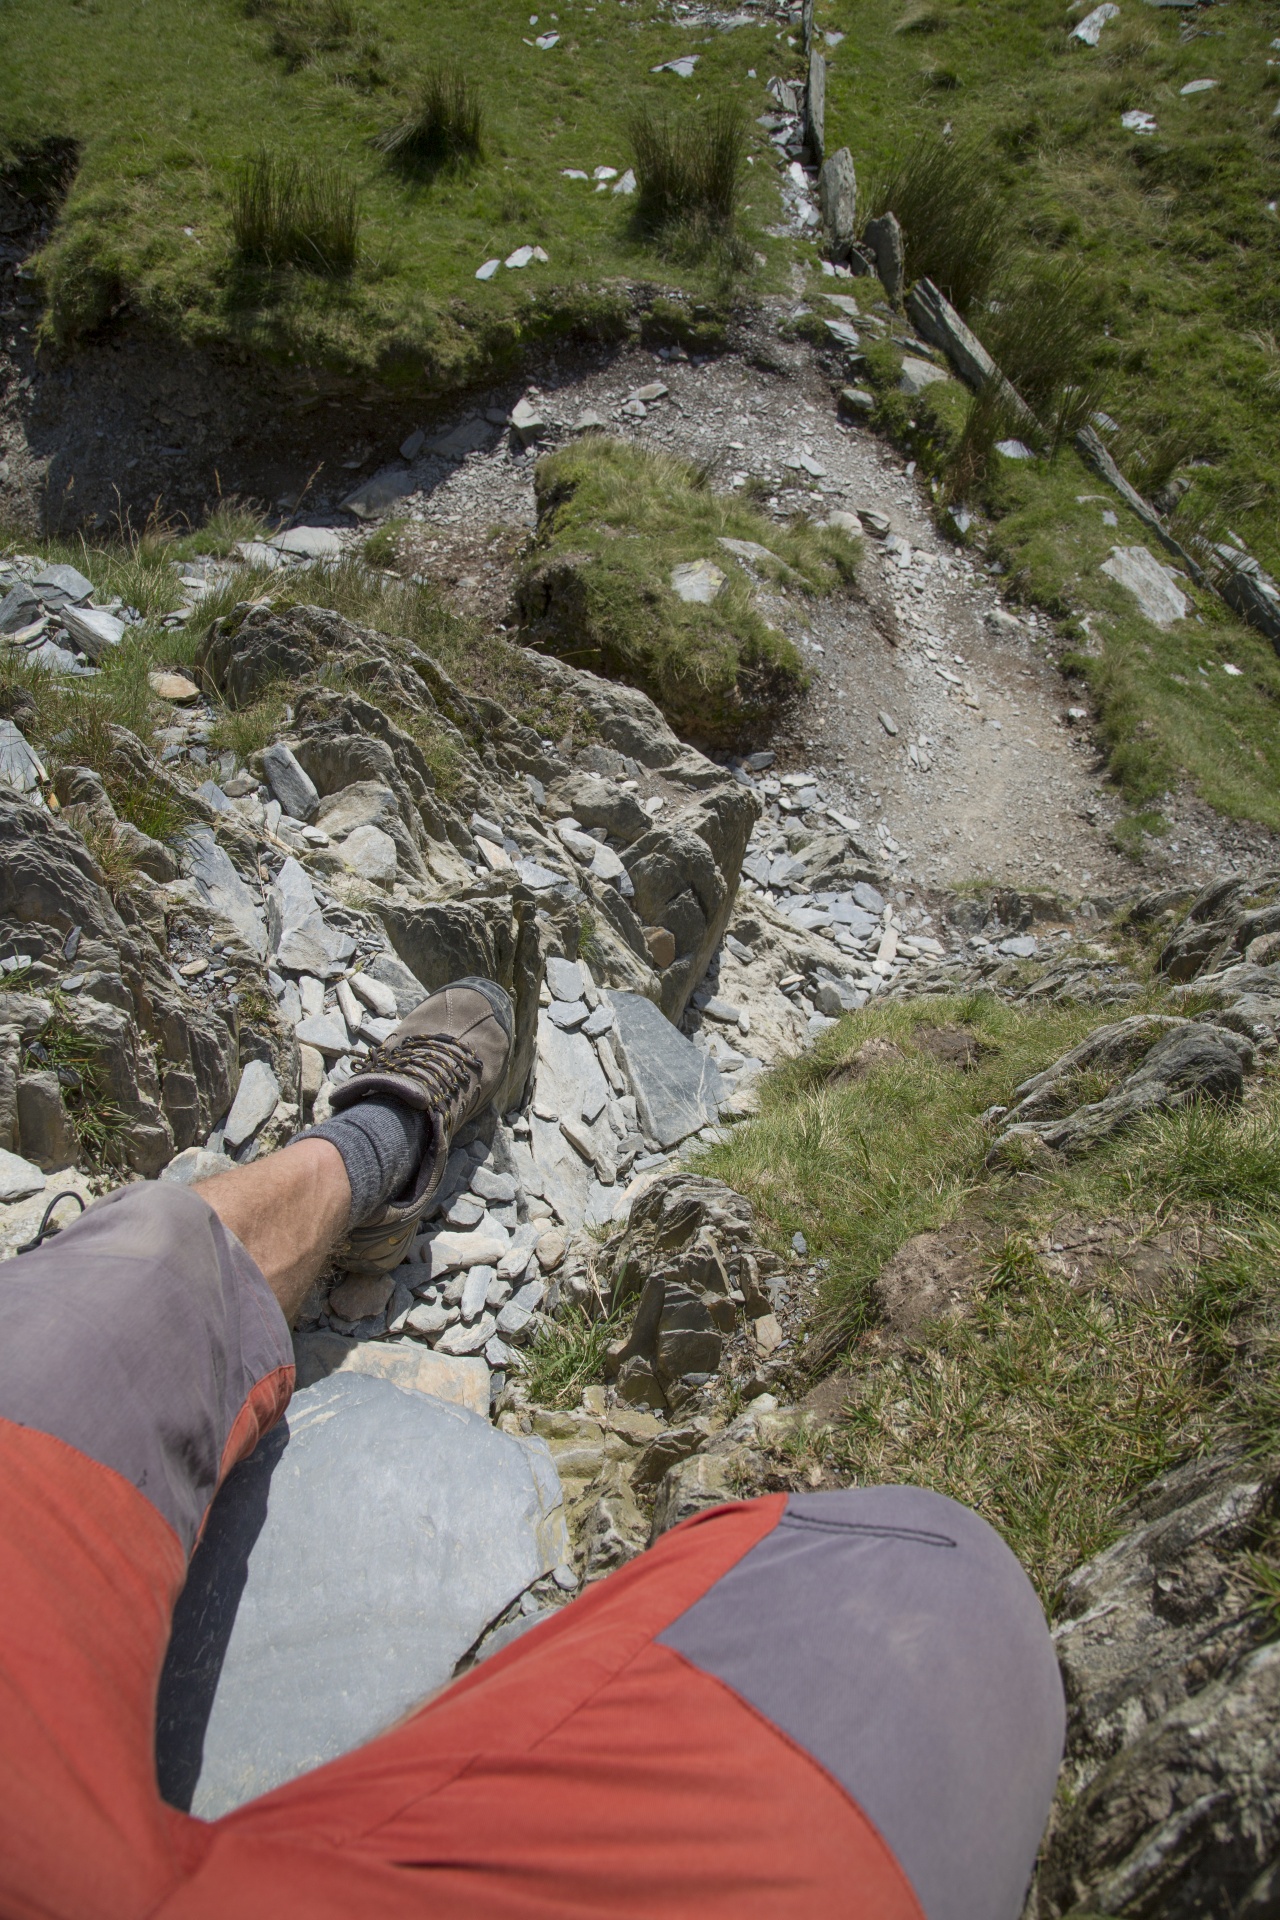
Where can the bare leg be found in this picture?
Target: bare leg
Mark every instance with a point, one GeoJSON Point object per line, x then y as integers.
{"type": "Point", "coordinates": [288, 1211]}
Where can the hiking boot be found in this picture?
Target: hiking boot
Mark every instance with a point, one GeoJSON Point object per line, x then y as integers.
{"type": "Point", "coordinates": [448, 1059]}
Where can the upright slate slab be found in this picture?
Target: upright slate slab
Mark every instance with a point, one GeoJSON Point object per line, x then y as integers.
{"type": "Point", "coordinates": [677, 1088]}
{"type": "Point", "coordinates": [345, 1569]}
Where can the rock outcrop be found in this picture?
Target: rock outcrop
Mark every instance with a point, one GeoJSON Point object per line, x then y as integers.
{"type": "Point", "coordinates": [1171, 1791]}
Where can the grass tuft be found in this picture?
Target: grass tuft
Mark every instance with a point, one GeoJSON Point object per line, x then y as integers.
{"type": "Point", "coordinates": [689, 171]}
{"type": "Point", "coordinates": [444, 125]}
{"type": "Point", "coordinates": [956, 228]}
{"type": "Point", "coordinates": [285, 215]}
{"type": "Point", "coordinates": [567, 1356]}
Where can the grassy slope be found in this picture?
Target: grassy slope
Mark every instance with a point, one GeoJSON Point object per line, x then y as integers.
{"type": "Point", "coordinates": [1182, 250]}
{"type": "Point", "coordinates": [167, 97]}
{"type": "Point", "coordinates": [1057, 1398]}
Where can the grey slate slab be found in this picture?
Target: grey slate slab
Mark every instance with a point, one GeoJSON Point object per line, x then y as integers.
{"type": "Point", "coordinates": [677, 1088]}
{"type": "Point", "coordinates": [347, 1566]}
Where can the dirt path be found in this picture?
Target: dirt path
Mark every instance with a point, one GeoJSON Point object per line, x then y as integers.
{"type": "Point", "coordinates": [939, 718]}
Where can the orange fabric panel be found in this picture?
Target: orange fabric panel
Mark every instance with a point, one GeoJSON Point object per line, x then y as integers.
{"type": "Point", "coordinates": [89, 1572]}
{"type": "Point", "coordinates": [584, 1772]}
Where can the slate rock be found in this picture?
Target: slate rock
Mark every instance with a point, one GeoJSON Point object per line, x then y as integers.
{"type": "Point", "coordinates": [884, 237]}
{"type": "Point", "coordinates": [92, 630]}
{"type": "Point", "coordinates": [564, 978]}
{"type": "Point", "coordinates": [19, 1178]}
{"type": "Point", "coordinates": [294, 789]}
{"type": "Point", "coordinates": [310, 543]}
{"type": "Point", "coordinates": [1156, 588]}
{"type": "Point", "coordinates": [838, 201]}
{"type": "Point", "coordinates": [221, 888]}
{"type": "Point", "coordinates": [257, 1098]}
{"type": "Point", "coordinates": [272, 1668]}
{"type": "Point", "coordinates": [19, 608]}
{"type": "Point", "coordinates": [697, 581]}
{"type": "Point", "coordinates": [391, 972]}
{"type": "Point", "coordinates": [677, 1088]}
{"type": "Point", "coordinates": [446, 1253]}
{"type": "Point", "coordinates": [918, 375]}
{"type": "Point", "coordinates": [371, 853]}
{"type": "Point", "coordinates": [462, 1339]}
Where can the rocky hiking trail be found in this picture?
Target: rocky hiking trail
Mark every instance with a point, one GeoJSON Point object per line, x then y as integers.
{"type": "Point", "coordinates": [626, 1331]}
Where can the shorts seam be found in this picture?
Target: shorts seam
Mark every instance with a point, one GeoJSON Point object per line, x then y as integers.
{"type": "Point", "coordinates": [920, 1535]}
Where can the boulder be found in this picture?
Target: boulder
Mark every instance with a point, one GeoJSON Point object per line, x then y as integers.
{"type": "Point", "coordinates": [1171, 1800]}
{"type": "Point", "coordinates": [1194, 1061]}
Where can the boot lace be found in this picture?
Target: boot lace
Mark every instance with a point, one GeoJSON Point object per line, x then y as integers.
{"type": "Point", "coordinates": [444, 1067]}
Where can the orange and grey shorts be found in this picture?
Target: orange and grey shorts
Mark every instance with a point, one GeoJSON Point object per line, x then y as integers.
{"type": "Point", "coordinates": [802, 1706]}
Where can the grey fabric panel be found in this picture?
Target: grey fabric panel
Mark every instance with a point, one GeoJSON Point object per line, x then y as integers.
{"type": "Point", "coordinates": [136, 1335]}
{"type": "Point", "coordinates": [893, 1635]}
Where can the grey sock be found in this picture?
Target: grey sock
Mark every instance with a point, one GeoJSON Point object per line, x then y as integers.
{"type": "Point", "coordinates": [381, 1142]}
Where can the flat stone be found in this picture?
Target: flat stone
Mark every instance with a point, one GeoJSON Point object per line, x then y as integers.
{"type": "Point", "coordinates": [310, 543]}
{"type": "Point", "coordinates": [567, 1015]}
{"type": "Point", "coordinates": [446, 1253]}
{"type": "Point", "coordinates": [1156, 588]}
{"type": "Point", "coordinates": [257, 1098]}
{"type": "Point", "coordinates": [376, 496]}
{"type": "Point", "coordinates": [460, 1339]}
{"type": "Point", "coordinates": [20, 767]}
{"type": "Point", "coordinates": [197, 1163]}
{"type": "Point", "coordinates": [475, 1291]}
{"type": "Point", "coordinates": [377, 997]}
{"type": "Point", "coordinates": [767, 1333]}
{"type": "Point", "coordinates": [677, 1087]}
{"type": "Point", "coordinates": [465, 1212]}
{"type": "Point", "coordinates": [497, 1187]}
{"type": "Point", "coordinates": [19, 1178]}
{"type": "Point", "coordinates": [64, 580]}
{"type": "Point", "coordinates": [391, 971]}
{"type": "Point", "coordinates": [514, 1322]}
{"type": "Point", "coordinates": [697, 581]}
{"type": "Point", "coordinates": [747, 550]}
{"type": "Point", "coordinates": [406, 1363]}
{"type": "Point", "coordinates": [294, 789]}
{"type": "Point", "coordinates": [371, 853]}
{"type": "Point", "coordinates": [606, 865]}
{"type": "Point", "coordinates": [549, 1251]}
{"type": "Point", "coordinates": [1090, 28]}
{"type": "Point", "coordinates": [174, 687]}
{"type": "Point", "coordinates": [365, 803]}
{"type": "Point", "coordinates": [221, 888]}
{"type": "Point", "coordinates": [599, 1022]}
{"type": "Point", "coordinates": [428, 1319]}
{"type": "Point", "coordinates": [564, 978]}
{"type": "Point", "coordinates": [272, 1669]}
{"type": "Point", "coordinates": [527, 422]}
{"type": "Point", "coordinates": [888, 722]}
{"type": "Point", "coordinates": [92, 630]}
{"type": "Point", "coordinates": [326, 1032]}
{"type": "Point", "coordinates": [19, 609]}
{"type": "Point", "coordinates": [919, 374]}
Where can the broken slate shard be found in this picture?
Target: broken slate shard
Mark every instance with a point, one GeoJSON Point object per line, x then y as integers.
{"type": "Point", "coordinates": [677, 1088]}
{"type": "Point", "coordinates": [684, 66]}
{"type": "Point", "coordinates": [19, 766]}
{"type": "Point", "coordinates": [1090, 29]}
{"type": "Point", "coordinates": [376, 495]}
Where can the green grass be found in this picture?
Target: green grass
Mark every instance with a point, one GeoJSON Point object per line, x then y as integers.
{"type": "Point", "coordinates": [163, 133]}
{"type": "Point", "coordinates": [443, 127]}
{"type": "Point", "coordinates": [613, 522]}
{"type": "Point", "coordinates": [1056, 1398]}
{"type": "Point", "coordinates": [286, 215]}
{"type": "Point", "coordinates": [567, 1356]}
{"type": "Point", "coordinates": [1168, 247]}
